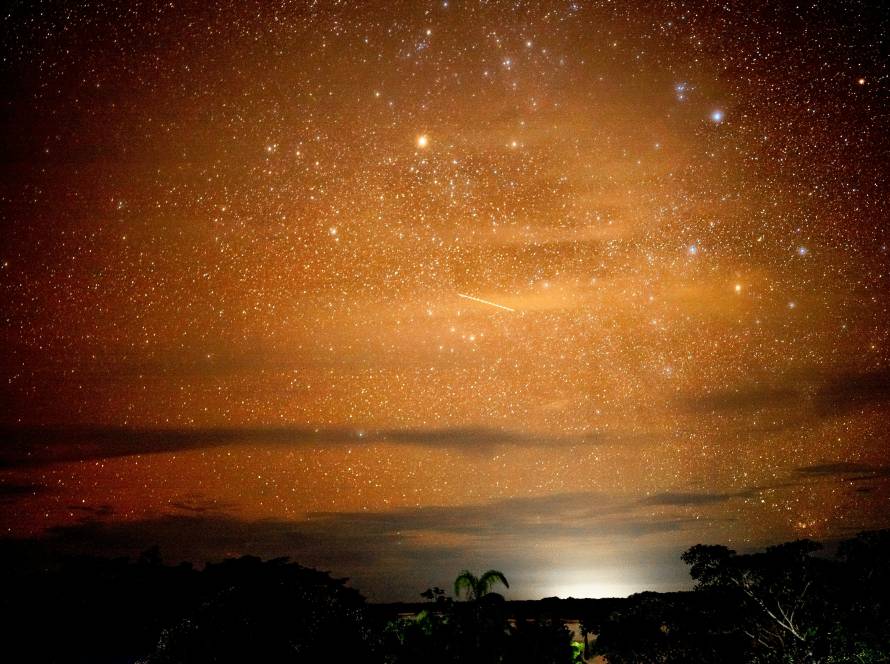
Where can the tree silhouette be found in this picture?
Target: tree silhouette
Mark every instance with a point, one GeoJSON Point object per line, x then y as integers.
{"type": "Point", "coordinates": [781, 605]}
{"type": "Point", "coordinates": [474, 587]}
{"type": "Point", "coordinates": [780, 588]}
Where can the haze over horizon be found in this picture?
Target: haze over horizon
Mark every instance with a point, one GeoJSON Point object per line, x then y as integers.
{"type": "Point", "coordinates": [396, 289]}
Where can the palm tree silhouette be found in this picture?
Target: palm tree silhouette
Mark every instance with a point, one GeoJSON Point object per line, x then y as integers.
{"type": "Point", "coordinates": [477, 587]}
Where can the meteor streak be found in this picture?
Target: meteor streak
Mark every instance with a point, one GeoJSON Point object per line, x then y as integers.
{"type": "Point", "coordinates": [479, 299]}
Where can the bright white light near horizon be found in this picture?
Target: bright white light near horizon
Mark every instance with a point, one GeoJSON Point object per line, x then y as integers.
{"type": "Point", "coordinates": [592, 588]}
{"type": "Point", "coordinates": [717, 116]}
{"type": "Point", "coordinates": [422, 141]}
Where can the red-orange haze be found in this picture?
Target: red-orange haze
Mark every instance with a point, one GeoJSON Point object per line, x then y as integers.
{"type": "Point", "coordinates": [398, 288]}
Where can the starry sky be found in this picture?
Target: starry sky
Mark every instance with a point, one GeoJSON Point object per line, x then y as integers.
{"type": "Point", "coordinates": [398, 288]}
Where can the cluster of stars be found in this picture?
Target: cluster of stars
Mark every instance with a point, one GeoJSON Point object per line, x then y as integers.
{"type": "Point", "coordinates": [608, 231]}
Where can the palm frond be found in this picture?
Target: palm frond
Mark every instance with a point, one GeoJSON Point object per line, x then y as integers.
{"type": "Point", "coordinates": [466, 580]}
{"type": "Point", "coordinates": [490, 578]}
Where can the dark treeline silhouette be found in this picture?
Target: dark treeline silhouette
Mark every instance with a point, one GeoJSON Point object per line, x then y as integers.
{"type": "Point", "coordinates": [789, 603]}
{"type": "Point", "coordinates": [240, 610]}
{"type": "Point", "coordinates": [785, 604]}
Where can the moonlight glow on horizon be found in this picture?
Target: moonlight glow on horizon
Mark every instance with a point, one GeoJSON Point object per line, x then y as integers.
{"type": "Point", "coordinates": [402, 288]}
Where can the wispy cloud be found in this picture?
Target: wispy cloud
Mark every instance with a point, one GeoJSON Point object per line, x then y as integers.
{"type": "Point", "coordinates": [20, 447]}
{"type": "Point", "coordinates": [431, 543]}
{"type": "Point", "coordinates": [14, 491]}
{"type": "Point", "coordinates": [688, 499]}
{"type": "Point", "coordinates": [811, 393]}
{"type": "Point", "coordinates": [852, 471]}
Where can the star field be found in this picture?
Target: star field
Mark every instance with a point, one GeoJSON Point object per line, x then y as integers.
{"type": "Point", "coordinates": [616, 274]}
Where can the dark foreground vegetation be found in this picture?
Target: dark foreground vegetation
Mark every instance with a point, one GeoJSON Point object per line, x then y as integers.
{"type": "Point", "coordinates": [790, 603]}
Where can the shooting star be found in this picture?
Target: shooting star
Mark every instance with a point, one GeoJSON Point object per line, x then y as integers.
{"type": "Point", "coordinates": [479, 299]}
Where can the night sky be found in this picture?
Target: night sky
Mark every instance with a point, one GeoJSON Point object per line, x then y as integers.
{"type": "Point", "coordinates": [399, 288]}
